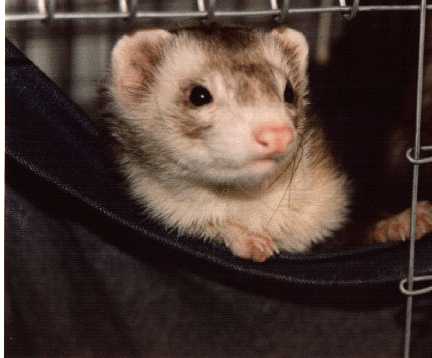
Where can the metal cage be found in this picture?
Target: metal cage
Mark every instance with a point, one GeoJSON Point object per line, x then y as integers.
{"type": "Point", "coordinates": [208, 10]}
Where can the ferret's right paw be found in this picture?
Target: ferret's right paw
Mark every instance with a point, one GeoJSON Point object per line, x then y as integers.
{"type": "Point", "coordinates": [253, 247]}
{"type": "Point", "coordinates": [250, 246]}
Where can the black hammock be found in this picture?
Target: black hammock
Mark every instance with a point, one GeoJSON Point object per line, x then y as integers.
{"type": "Point", "coordinates": [50, 138]}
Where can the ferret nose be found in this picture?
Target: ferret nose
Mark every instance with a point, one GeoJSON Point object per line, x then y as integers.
{"type": "Point", "coordinates": [273, 139]}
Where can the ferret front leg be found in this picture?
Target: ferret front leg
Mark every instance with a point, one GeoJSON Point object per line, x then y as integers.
{"type": "Point", "coordinates": [248, 245]}
{"type": "Point", "coordinates": [397, 227]}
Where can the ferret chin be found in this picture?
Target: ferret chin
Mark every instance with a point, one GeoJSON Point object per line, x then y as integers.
{"type": "Point", "coordinates": [211, 131]}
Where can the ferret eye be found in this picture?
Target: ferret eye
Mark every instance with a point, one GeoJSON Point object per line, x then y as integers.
{"type": "Point", "coordinates": [200, 96]}
{"type": "Point", "coordinates": [289, 95]}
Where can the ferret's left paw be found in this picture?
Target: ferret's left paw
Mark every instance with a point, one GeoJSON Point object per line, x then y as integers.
{"type": "Point", "coordinates": [397, 227]}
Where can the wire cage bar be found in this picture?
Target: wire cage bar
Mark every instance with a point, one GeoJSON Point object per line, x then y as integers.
{"type": "Point", "coordinates": [207, 10]}
{"type": "Point", "coordinates": [413, 155]}
{"type": "Point", "coordinates": [128, 9]}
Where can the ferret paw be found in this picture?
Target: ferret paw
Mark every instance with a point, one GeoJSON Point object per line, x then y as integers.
{"type": "Point", "coordinates": [254, 247]}
{"type": "Point", "coordinates": [251, 246]}
{"type": "Point", "coordinates": [397, 227]}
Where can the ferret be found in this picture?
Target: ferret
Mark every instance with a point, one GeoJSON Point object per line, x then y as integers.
{"type": "Point", "coordinates": [212, 131]}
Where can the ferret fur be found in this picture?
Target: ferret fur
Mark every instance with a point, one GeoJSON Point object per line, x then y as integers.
{"type": "Point", "coordinates": [186, 166]}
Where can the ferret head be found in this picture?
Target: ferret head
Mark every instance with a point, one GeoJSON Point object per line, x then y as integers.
{"type": "Point", "coordinates": [219, 106]}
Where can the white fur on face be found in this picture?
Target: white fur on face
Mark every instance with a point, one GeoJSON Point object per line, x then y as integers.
{"type": "Point", "coordinates": [231, 151]}
{"type": "Point", "coordinates": [226, 152]}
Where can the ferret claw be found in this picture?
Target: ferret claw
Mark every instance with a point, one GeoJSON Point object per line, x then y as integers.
{"type": "Point", "coordinates": [397, 227]}
{"type": "Point", "coordinates": [252, 246]}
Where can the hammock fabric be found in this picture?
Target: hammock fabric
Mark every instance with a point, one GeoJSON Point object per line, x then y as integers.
{"type": "Point", "coordinates": [87, 274]}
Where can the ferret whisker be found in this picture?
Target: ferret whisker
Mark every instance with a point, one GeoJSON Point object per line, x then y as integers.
{"type": "Point", "coordinates": [292, 168]}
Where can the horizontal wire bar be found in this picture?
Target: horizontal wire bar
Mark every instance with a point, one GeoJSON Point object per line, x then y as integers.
{"type": "Point", "coordinates": [203, 14]}
{"type": "Point", "coordinates": [420, 291]}
{"type": "Point", "coordinates": [410, 157]}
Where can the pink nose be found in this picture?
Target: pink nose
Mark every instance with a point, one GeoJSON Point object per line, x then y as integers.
{"type": "Point", "coordinates": [273, 139]}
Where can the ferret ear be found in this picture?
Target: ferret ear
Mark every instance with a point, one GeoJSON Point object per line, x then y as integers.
{"type": "Point", "coordinates": [294, 41]}
{"type": "Point", "coordinates": [133, 61]}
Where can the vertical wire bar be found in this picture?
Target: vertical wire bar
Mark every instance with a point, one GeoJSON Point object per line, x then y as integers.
{"type": "Point", "coordinates": [47, 9]}
{"type": "Point", "coordinates": [322, 54]}
{"type": "Point", "coordinates": [274, 5]}
{"type": "Point", "coordinates": [354, 9]}
{"type": "Point", "coordinates": [284, 12]}
{"type": "Point", "coordinates": [201, 5]}
{"type": "Point", "coordinates": [210, 7]}
{"type": "Point", "coordinates": [128, 7]}
{"type": "Point", "coordinates": [133, 8]}
{"type": "Point", "coordinates": [123, 6]}
{"type": "Point", "coordinates": [416, 168]}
